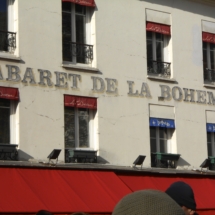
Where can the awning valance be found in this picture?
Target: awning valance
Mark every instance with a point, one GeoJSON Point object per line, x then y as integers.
{"type": "Point", "coordinates": [9, 93]}
{"type": "Point", "coordinates": [210, 127]}
{"type": "Point", "coordinates": [158, 28]}
{"type": "Point", "coordinates": [80, 102]}
{"type": "Point", "coordinates": [165, 123]}
{"type": "Point", "coordinates": [89, 3]}
{"type": "Point", "coordinates": [208, 37]}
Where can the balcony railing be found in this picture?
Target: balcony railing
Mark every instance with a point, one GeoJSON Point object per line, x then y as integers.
{"type": "Point", "coordinates": [77, 53]}
{"type": "Point", "coordinates": [161, 69]}
{"type": "Point", "coordinates": [7, 41]}
{"type": "Point", "coordinates": [209, 75]}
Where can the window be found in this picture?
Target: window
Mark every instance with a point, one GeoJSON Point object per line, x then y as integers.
{"type": "Point", "coordinates": [76, 33]}
{"type": "Point", "coordinates": [7, 36]}
{"type": "Point", "coordinates": [4, 121]}
{"type": "Point", "coordinates": [7, 121]}
{"type": "Point", "coordinates": [77, 127]}
{"type": "Point", "coordinates": [160, 138]}
{"type": "Point", "coordinates": [158, 37]}
{"type": "Point", "coordinates": [209, 61]}
{"type": "Point", "coordinates": [79, 114]}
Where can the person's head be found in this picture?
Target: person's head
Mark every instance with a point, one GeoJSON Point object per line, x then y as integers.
{"type": "Point", "coordinates": [147, 202]}
{"type": "Point", "coordinates": [43, 212]}
{"type": "Point", "coordinates": [183, 194]}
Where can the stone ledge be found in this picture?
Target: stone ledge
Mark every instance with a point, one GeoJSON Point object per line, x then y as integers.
{"type": "Point", "coordinates": [79, 67]}
{"type": "Point", "coordinates": [7, 56]}
{"type": "Point", "coordinates": [156, 78]}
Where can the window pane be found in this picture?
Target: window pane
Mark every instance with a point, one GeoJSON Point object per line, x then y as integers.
{"type": "Point", "coordinates": [149, 47]}
{"type": "Point", "coordinates": [66, 6]}
{"type": "Point", "coordinates": [4, 103]}
{"type": "Point", "coordinates": [79, 9]}
{"type": "Point", "coordinates": [210, 149]}
{"type": "Point", "coordinates": [208, 137]}
{"type": "Point", "coordinates": [69, 120]}
{"type": "Point", "coordinates": [212, 55]}
{"type": "Point", "coordinates": [163, 133]}
{"type": "Point", "coordinates": [153, 132]}
{"type": "Point", "coordinates": [159, 47]}
{"type": "Point", "coordinates": [153, 145]}
{"type": "Point", "coordinates": [4, 121]}
{"type": "Point", "coordinates": [67, 36]}
{"type": "Point", "coordinates": [163, 146]}
{"type": "Point", "coordinates": [205, 58]}
{"type": "Point", "coordinates": [83, 127]}
{"type": "Point", "coordinates": [3, 15]}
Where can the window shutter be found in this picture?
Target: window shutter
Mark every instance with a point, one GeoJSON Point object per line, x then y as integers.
{"type": "Point", "coordinates": [208, 37]}
{"type": "Point", "coordinates": [89, 3]}
{"type": "Point", "coordinates": [80, 102]}
{"type": "Point", "coordinates": [158, 28]}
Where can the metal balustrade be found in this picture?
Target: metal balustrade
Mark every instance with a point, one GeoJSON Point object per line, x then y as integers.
{"type": "Point", "coordinates": [161, 69]}
{"type": "Point", "coordinates": [7, 41]}
{"type": "Point", "coordinates": [209, 75]}
{"type": "Point", "coordinates": [77, 53]}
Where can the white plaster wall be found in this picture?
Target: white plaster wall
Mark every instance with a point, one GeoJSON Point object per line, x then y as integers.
{"type": "Point", "coordinates": [120, 45]}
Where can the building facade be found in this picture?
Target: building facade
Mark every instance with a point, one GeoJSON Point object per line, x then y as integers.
{"type": "Point", "coordinates": [123, 78]}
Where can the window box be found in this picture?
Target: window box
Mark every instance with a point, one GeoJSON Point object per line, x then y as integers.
{"type": "Point", "coordinates": [80, 156]}
{"type": "Point", "coordinates": [164, 160]}
{"type": "Point", "coordinates": [8, 152]}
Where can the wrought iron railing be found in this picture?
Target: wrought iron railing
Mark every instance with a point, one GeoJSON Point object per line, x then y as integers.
{"type": "Point", "coordinates": [158, 68]}
{"type": "Point", "coordinates": [209, 75]}
{"type": "Point", "coordinates": [7, 41]}
{"type": "Point", "coordinates": [78, 53]}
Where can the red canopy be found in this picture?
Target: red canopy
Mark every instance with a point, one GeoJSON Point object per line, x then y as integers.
{"type": "Point", "coordinates": [9, 93]}
{"type": "Point", "coordinates": [89, 3]}
{"type": "Point", "coordinates": [208, 37]}
{"type": "Point", "coordinates": [204, 188]}
{"type": "Point", "coordinates": [158, 28]}
{"type": "Point", "coordinates": [59, 191]}
{"type": "Point", "coordinates": [80, 102]}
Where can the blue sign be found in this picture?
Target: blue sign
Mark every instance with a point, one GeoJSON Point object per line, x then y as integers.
{"type": "Point", "coordinates": [165, 123]}
{"type": "Point", "coordinates": [210, 127]}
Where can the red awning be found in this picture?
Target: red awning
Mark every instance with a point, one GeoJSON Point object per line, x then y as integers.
{"type": "Point", "coordinates": [59, 191]}
{"type": "Point", "coordinates": [9, 93]}
{"type": "Point", "coordinates": [89, 3]}
{"type": "Point", "coordinates": [208, 37]}
{"type": "Point", "coordinates": [204, 188]}
{"type": "Point", "coordinates": [158, 28]}
{"type": "Point", "coordinates": [80, 102]}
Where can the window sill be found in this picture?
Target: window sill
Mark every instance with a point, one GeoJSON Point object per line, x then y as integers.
{"type": "Point", "coordinates": [209, 85]}
{"type": "Point", "coordinates": [7, 56]}
{"type": "Point", "coordinates": [80, 67]}
{"type": "Point", "coordinates": [156, 78]}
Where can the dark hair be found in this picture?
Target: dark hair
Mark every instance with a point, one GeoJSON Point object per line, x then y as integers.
{"type": "Point", "coordinates": [43, 212]}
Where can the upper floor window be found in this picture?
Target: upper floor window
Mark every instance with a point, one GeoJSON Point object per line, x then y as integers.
{"type": "Point", "coordinates": [161, 132]}
{"type": "Point", "coordinates": [76, 33]}
{"type": "Point", "coordinates": [209, 56]}
{"type": "Point", "coordinates": [158, 36]}
{"type": "Point", "coordinates": [79, 115]}
{"type": "Point", "coordinates": [7, 35]}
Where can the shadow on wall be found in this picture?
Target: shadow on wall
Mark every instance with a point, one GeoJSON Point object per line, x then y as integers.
{"type": "Point", "coordinates": [23, 156]}
{"type": "Point", "coordinates": [182, 163]}
{"type": "Point", "coordinates": [101, 160]}
{"type": "Point", "coordinates": [184, 5]}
